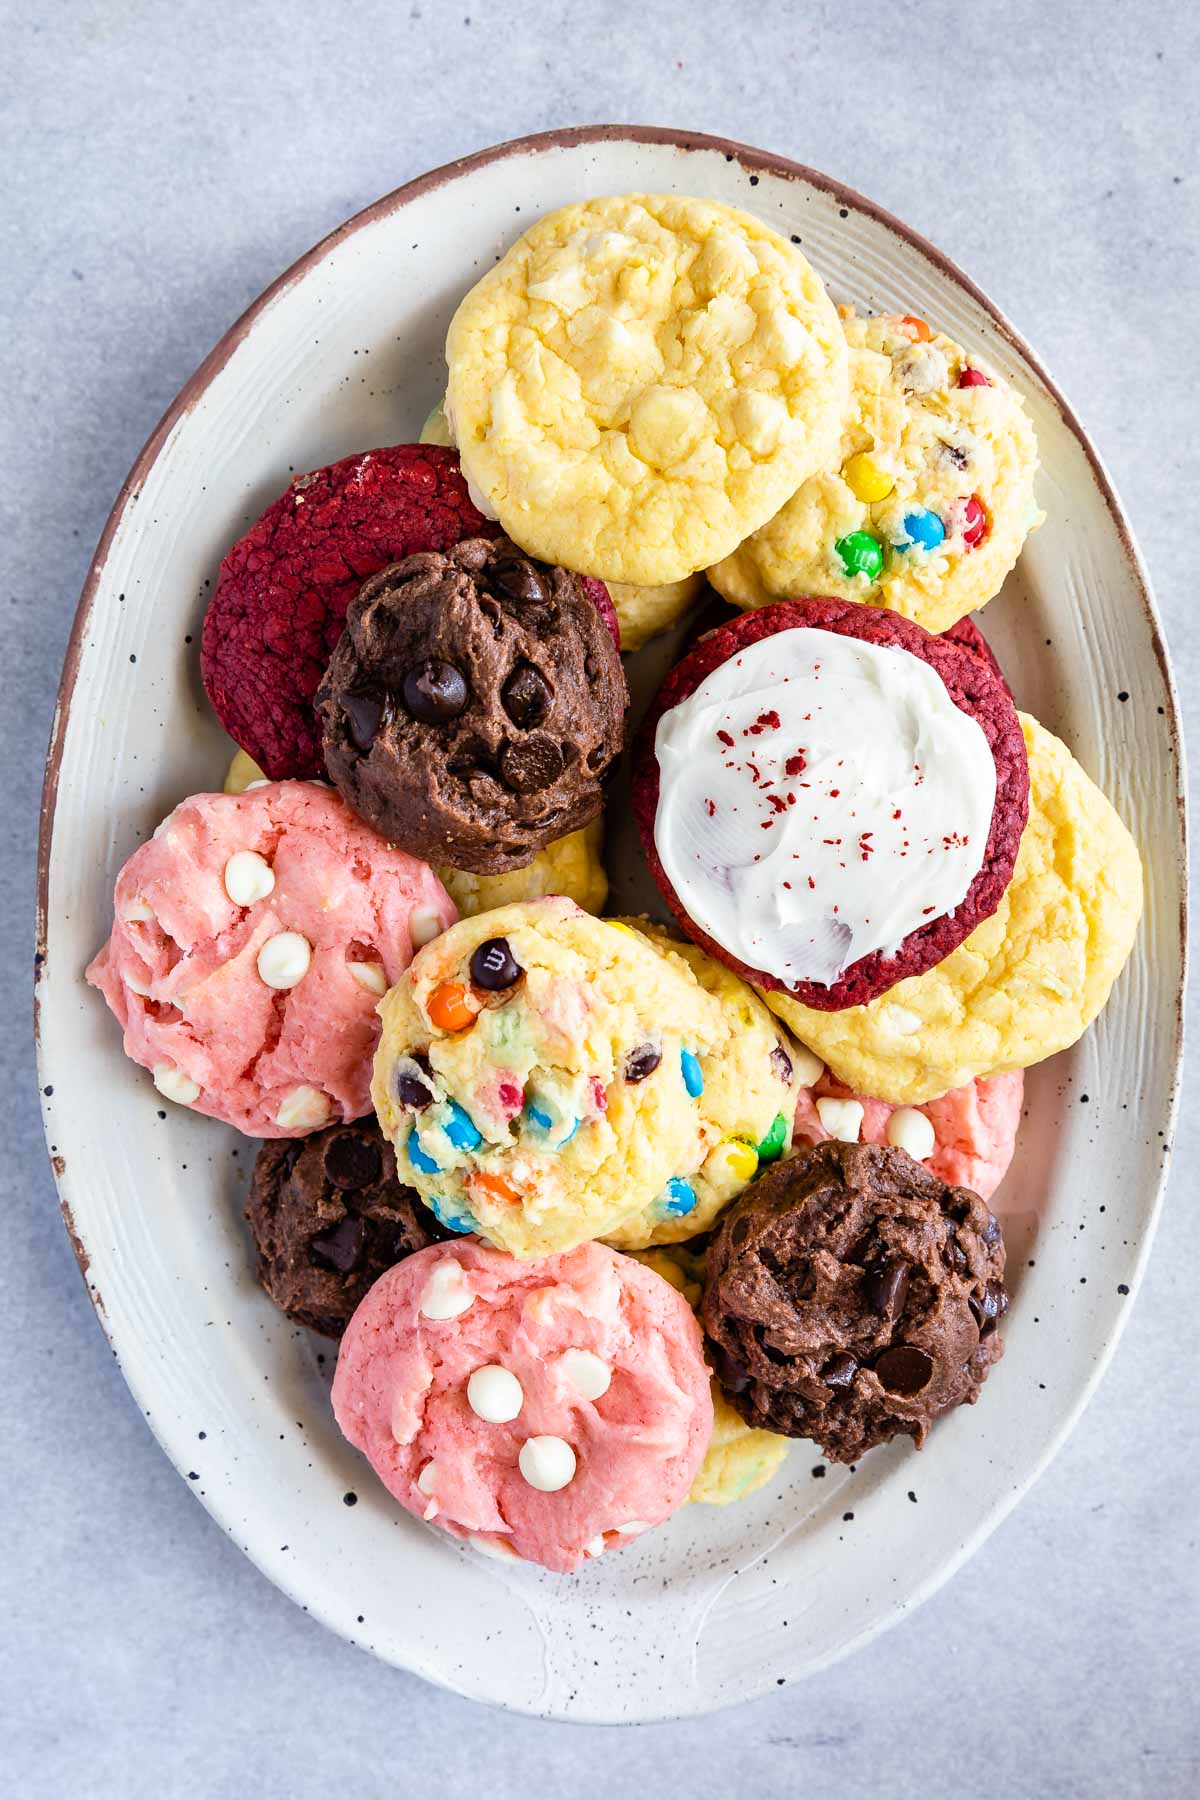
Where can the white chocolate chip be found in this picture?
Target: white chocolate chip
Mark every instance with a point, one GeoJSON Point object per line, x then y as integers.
{"type": "Point", "coordinates": [901, 1019]}
{"type": "Point", "coordinates": [809, 1067]}
{"type": "Point", "coordinates": [427, 1479]}
{"type": "Point", "coordinates": [174, 1085]}
{"type": "Point", "coordinates": [841, 1118]}
{"type": "Point", "coordinates": [369, 976]}
{"type": "Point", "coordinates": [248, 877]}
{"type": "Point", "coordinates": [137, 912]}
{"type": "Point", "coordinates": [494, 1394]}
{"type": "Point", "coordinates": [304, 1109]}
{"type": "Point", "coordinates": [587, 1373]}
{"type": "Point", "coordinates": [447, 1292]}
{"type": "Point", "coordinates": [284, 959]}
{"type": "Point", "coordinates": [493, 1547]}
{"type": "Point", "coordinates": [594, 1546]}
{"type": "Point", "coordinates": [137, 987]}
{"type": "Point", "coordinates": [547, 1463]}
{"type": "Point", "coordinates": [632, 1527]}
{"type": "Point", "coordinates": [261, 782]}
{"type": "Point", "coordinates": [908, 1129]}
{"type": "Point", "coordinates": [424, 925]}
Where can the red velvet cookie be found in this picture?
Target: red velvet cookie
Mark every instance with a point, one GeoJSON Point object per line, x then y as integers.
{"type": "Point", "coordinates": [966, 632]}
{"type": "Point", "coordinates": [974, 686]}
{"type": "Point", "coordinates": [284, 588]}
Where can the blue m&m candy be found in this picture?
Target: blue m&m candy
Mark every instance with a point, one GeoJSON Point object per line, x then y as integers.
{"type": "Point", "coordinates": [543, 1121]}
{"type": "Point", "coordinates": [922, 529]}
{"type": "Point", "coordinates": [693, 1077]}
{"type": "Point", "coordinates": [679, 1196]}
{"type": "Point", "coordinates": [418, 1157]}
{"type": "Point", "coordinates": [459, 1128]}
{"type": "Point", "coordinates": [446, 1214]}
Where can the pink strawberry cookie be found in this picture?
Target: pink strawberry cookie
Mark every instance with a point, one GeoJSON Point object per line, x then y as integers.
{"type": "Point", "coordinates": [966, 1138]}
{"type": "Point", "coordinates": [545, 1410]}
{"type": "Point", "coordinates": [254, 936]}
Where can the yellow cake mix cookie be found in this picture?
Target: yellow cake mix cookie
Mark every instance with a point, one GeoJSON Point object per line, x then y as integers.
{"type": "Point", "coordinates": [1028, 981]}
{"type": "Point", "coordinates": [642, 612]}
{"type": "Point", "coordinates": [928, 499]}
{"type": "Point", "coordinates": [641, 382]}
{"type": "Point", "coordinates": [242, 773]}
{"type": "Point", "coordinates": [545, 1075]}
{"type": "Point", "coordinates": [573, 865]}
{"type": "Point", "coordinates": [645, 611]}
{"type": "Point", "coordinates": [750, 1095]}
{"type": "Point", "coordinates": [740, 1458]}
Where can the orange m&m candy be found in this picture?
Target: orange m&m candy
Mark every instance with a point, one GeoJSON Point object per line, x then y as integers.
{"type": "Point", "coordinates": [452, 1007]}
{"type": "Point", "coordinates": [916, 329]}
{"type": "Point", "coordinates": [495, 1187]}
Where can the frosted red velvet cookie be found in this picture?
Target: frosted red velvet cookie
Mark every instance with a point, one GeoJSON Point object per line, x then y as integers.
{"type": "Point", "coordinates": [830, 797]}
{"type": "Point", "coordinates": [547, 1410]}
{"type": "Point", "coordinates": [253, 937]}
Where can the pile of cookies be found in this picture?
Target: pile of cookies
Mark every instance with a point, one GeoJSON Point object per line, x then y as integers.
{"type": "Point", "coordinates": [605, 1214]}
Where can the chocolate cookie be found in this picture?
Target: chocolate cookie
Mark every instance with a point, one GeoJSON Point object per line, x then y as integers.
{"type": "Point", "coordinates": [852, 1297]}
{"type": "Point", "coordinates": [473, 706]}
{"type": "Point", "coordinates": [328, 1217]}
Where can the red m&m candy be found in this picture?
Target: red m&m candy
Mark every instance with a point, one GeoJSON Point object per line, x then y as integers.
{"type": "Point", "coordinates": [973, 378]}
{"type": "Point", "coordinates": [976, 523]}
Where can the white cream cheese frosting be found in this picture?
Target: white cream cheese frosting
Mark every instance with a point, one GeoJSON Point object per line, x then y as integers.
{"type": "Point", "coordinates": [819, 799]}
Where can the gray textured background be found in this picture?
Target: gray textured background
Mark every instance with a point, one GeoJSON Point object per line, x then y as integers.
{"type": "Point", "coordinates": [162, 162]}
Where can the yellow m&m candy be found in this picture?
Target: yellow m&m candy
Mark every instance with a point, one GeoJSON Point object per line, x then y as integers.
{"type": "Point", "coordinates": [866, 479]}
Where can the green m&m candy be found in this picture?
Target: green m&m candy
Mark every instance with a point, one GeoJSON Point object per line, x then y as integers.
{"type": "Point", "coordinates": [861, 554]}
{"type": "Point", "coordinates": [771, 1148]}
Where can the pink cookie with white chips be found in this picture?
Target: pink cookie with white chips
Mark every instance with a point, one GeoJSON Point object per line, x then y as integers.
{"type": "Point", "coordinates": [254, 936]}
{"type": "Point", "coordinates": [548, 1410]}
{"type": "Point", "coordinates": [966, 1138]}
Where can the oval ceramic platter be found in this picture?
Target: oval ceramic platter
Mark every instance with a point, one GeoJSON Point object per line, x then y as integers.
{"type": "Point", "coordinates": [343, 353]}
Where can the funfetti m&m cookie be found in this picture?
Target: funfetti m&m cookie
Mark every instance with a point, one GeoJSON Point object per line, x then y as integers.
{"type": "Point", "coordinates": [928, 498]}
{"type": "Point", "coordinates": [641, 382]}
{"type": "Point", "coordinates": [283, 589]}
{"type": "Point", "coordinates": [1028, 981]}
{"type": "Point", "coordinates": [254, 935]}
{"type": "Point", "coordinates": [548, 1077]}
{"type": "Point", "coordinates": [551, 1410]}
{"type": "Point", "coordinates": [830, 798]}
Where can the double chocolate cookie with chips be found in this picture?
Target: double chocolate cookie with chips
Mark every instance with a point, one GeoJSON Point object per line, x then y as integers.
{"type": "Point", "coordinates": [474, 705]}
{"type": "Point", "coordinates": [328, 1217]}
{"type": "Point", "coordinates": [852, 1297]}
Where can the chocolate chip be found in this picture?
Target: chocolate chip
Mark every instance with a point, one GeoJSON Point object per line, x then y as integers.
{"type": "Point", "coordinates": [988, 1313]}
{"type": "Point", "coordinates": [367, 711]}
{"type": "Point", "coordinates": [519, 579]}
{"type": "Point", "coordinates": [494, 967]}
{"type": "Point", "coordinates": [730, 1373]}
{"type": "Point", "coordinates": [434, 692]}
{"type": "Point", "coordinates": [904, 1369]}
{"type": "Point", "coordinates": [840, 1372]}
{"type": "Point", "coordinates": [411, 1091]}
{"type": "Point", "coordinates": [781, 1062]}
{"type": "Point", "coordinates": [887, 1287]}
{"type": "Point", "coordinates": [954, 454]}
{"type": "Point", "coordinates": [991, 1231]}
{"type": "Point", "coordinates": [527, 768]}
{"type": "Point", "coordinates": [340, 1249]}
{"type": "Point", "coordinates": [526, 696]}
{"type": "Point", "coordinates": [352, 1162]}
{"type": "Point", "coordinates": [642, 1062]}
{"type": "Point", "coordinates": [956, 1257]}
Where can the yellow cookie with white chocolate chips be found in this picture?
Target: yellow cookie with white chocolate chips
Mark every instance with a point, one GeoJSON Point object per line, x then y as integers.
{"type": "Point", "coordinates": [643, 612]}
{"type": "Point", "coordinates": [573, 865]}
{"type": "Point", "coordinates": [1028, 981]}
{"type": "Point", "coordinates": [928, 499]}
{"type": "Point", "coordinates": [641, 382]}
{"type": "Point", "coordinates": [544, 1077]}
{"type": "Point", "coordinates": [750, 1095]}
{"type": "Point", "coordinates": [740, 1458]}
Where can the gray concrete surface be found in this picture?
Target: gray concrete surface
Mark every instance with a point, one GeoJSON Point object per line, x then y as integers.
{"type": "Point", "coordinates": [161, 164]}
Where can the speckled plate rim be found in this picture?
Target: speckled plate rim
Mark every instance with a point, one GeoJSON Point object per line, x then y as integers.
{"type": "Point", "coordinates": [749, 158]}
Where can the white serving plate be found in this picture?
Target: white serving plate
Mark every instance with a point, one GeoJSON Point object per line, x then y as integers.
{"type": "Point", "coordinates": [345, 352]}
